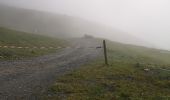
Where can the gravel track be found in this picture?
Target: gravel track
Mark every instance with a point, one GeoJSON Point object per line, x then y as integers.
{"type": "Point", "coordinates": [27, 79]}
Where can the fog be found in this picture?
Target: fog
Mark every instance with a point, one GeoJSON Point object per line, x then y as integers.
{"type": "Point", "coordinates": [148, 20]}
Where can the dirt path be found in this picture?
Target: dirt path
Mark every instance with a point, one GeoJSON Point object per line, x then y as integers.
{"type": "Point", "coordinates": [29, 78]}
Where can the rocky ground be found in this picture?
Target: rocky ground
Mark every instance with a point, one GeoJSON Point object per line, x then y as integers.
{"type": "Point", "coordinates": [27, 79]}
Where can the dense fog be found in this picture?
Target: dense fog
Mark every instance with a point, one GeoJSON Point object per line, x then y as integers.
{"type": "Point", "coordinates": [140, 22]}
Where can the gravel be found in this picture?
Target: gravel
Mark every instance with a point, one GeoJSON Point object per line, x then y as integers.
{"type": "Point", "coordinates": [28, 79]}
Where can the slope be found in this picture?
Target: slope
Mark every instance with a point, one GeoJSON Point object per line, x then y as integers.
{"type": "Point", "coordinates": [17, 45]}
{"type": "Point", "coordinates": [59, 25]}
{"type": "Point", "coordinates": [133, 73]}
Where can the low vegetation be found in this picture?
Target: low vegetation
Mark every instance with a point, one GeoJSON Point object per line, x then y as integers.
{"type": "Point", "coordinates": [16, 39]}
{"type": "Point", "coordinates": [134, 73]}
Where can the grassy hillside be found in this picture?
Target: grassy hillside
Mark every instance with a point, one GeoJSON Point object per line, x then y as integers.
{"type": "Point", "coordinates": [134, 73]}
{"type": "Point", "coordinates": [31, 44]}
{"type": "Point", "coordinates": [59, 25]}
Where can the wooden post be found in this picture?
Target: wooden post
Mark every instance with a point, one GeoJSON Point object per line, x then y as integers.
{"type": "Point", "coordinates": [105, 52]}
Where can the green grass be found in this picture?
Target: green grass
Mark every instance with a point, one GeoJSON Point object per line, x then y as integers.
{"type": "Point", "coordinates": [124, 78]}
{"type": "Point", "coordinates": [21, 39]}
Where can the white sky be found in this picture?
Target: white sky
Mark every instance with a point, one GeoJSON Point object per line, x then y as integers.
{"type": "Point", "coordinates": [147, 19]}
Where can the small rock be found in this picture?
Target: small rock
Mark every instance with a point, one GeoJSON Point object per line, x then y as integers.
{"type": "Point", "coordinates": [146, 69]}
{"type": "Point", "coordinates": [1, 57]}
{"type": "Point", "coordinates": [49, 95]}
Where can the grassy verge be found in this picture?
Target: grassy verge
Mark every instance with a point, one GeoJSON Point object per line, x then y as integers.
{"type": "Point", "coordinates": [18, 54]}
{"type": "Point", "coordinates": [133, 74]}
{"type": "Point", "coordinates": [21, 39]}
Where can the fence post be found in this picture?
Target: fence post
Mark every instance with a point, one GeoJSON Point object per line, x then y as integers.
{"type": "Point", "coordinates": [105, 52]}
